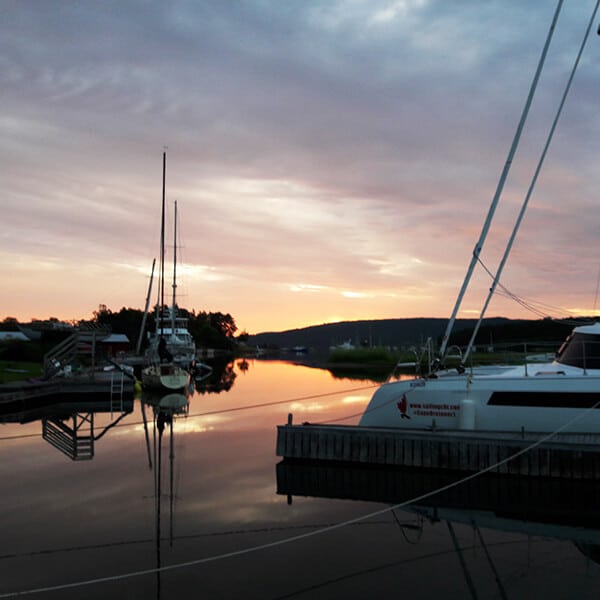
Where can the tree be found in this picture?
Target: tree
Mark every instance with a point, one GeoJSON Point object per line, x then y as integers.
{"type": "Point", "coordinates": [9, 324]}
{"type": "Point", "coordinates": [213, 330]}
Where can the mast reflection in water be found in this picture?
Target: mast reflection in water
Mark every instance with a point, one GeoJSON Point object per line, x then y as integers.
{"type": "Point", "coordinates": [164, 409]}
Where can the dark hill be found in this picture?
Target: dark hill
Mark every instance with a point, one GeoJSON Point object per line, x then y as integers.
{"type": "Point", "coordinates": [408, 332]}
{"type": "Point", "coordinates": [384, 332]}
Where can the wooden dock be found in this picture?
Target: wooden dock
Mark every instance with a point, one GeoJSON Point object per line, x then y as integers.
{"type": "Point", "coordinates": [102, 387]}
{"type": "Point", "coordinates": [565, 455]}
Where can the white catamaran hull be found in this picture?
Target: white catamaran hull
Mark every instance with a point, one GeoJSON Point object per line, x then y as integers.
{"type": "Point", "coordinates": [544, 401]}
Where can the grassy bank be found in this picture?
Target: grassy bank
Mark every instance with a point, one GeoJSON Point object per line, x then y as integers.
{"type": "Point", "coordinates": [13, 370]}
{"type": "Point", "coordinates": [364, 356]}
{"type": "Point", "coordinates": [381, 357]}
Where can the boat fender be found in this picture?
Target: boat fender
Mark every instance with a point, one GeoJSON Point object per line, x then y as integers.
{"type": "Point", "coordinates": [467, 415]}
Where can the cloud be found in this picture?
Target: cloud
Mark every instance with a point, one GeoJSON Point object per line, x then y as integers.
{"type": "Point", "coordinates": [332, 146]}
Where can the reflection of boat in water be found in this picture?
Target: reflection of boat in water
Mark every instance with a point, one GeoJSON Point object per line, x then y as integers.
{"type": "Point", "coordinates": [165, 409]}
{"type": "Point", "coordinates": [538, 398]}
{"type": "Point", "coordinates": [200, 371]}
{"type": "Point", "coordinates": [559, 509]}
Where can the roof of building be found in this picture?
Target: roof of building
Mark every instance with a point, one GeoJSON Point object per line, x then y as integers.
{"type": "Point", "coordinates": [115, 338]}
{"type": "Point", "coordinates": [13, 336]}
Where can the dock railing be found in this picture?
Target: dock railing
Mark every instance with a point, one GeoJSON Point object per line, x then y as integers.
{"type": "Point", "coordinates": [80, 343]}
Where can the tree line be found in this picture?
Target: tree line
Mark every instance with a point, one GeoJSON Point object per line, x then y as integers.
{"type": "Point", "coordinates": [209, 329]}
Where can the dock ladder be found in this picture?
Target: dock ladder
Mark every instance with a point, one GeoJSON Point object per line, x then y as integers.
{"type": "Point", "coordinates": [117, 385]}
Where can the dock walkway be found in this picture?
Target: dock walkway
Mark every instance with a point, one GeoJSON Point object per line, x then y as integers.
{"type": "Point", "coordinates": [102, 386]}
{"type": "Point", "coordinates": [564, 455]}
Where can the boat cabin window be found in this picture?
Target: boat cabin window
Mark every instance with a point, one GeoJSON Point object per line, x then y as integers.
{"type": "Point", "coordinates": [580, 350]}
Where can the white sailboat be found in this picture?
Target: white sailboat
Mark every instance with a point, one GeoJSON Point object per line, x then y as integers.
{"type": "Point", "coordinates": [171, 324]}
{"type": "Point", "coordinates": [563, 394]}
{"type": "Point", "coordinates": [162, 372]}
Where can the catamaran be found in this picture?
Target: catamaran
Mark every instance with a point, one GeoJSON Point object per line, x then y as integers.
{"type": "Point", "coordinates": [560, 395]}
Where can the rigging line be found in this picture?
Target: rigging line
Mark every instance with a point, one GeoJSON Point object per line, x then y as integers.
{"type": "Point", "coordinates": [524, 302]}
{"type": "Point", "coordinates": [501, 182]}
{"type": "Point", "coordinates": [512, 295]}
{"type": "Point", "coordinates": [276, 402]}
{"type": "Point", "coordinates": [302, 536]}
{"type": "Point", "coordinates": [461, 560]}
{"type": "Point", "coordinates": [404, 526]}
{"type": "Point", "coordinates": [597, 287]}
{"type": "Point", "coordinates": [534, 179]}
{"type": "Point", "coordinates": [532, 305]}
{"type": "Point", "coordinates": [192, 536]}
{"type": "Point", "coordinates": [385, 566]}
{"type": "Point", "coordinates": [492, 565]}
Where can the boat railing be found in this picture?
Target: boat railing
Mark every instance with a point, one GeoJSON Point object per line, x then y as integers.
{"type": "Point", "coordinates": [577, 352]}
{"type": "Point", "coordinates": [501, 354]}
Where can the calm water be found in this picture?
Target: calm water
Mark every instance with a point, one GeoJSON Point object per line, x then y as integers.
{"type": "Point", "coordinates": [225, 505]}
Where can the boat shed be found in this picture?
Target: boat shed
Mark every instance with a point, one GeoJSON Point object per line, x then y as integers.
{"type": "Point", "coordinates": [114, 344]}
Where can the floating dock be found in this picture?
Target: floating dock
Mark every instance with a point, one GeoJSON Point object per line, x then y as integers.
{"type": "Point", "coordinates": [564, 455]}
{"type": "Point", "coordinates": [102, 387]}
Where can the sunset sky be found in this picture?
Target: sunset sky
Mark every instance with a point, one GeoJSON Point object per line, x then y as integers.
{"type": "Point", "coordinates": [332, 160]}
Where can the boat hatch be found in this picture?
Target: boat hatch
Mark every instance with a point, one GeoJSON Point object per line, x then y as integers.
{"type": "Point", "coordinates": [580, 350]}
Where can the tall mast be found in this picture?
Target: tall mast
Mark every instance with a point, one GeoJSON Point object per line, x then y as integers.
{"type": "Point", "coordinates": [500, 187]}
{"type": "Point", "coordinates": [174, 271]}
{"type": "Point", "coordinates": [509, 246]}
{"type": "Point", "coordinates": [162, 245]}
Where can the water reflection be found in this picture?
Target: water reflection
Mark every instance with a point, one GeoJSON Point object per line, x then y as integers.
{"type": "Point", "coordinates": [165, 410]}
{"type": "Point", "coordinates": [74, 521]}
{"type": "Point", "coordinates": [561, 509]}
{"type": "Point", "coordinates": [70, 426]}
{"type": "Point", "coordinates": [220, 379]}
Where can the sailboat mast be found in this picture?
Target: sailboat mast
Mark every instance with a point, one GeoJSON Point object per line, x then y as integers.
{"type": "Point", "coordinates": [139, 342]}
{"type": "Point", "coordinates": [509, 246]}
{"type": "Point", "coordinates": [162, 246]}
{"type": "Point", "coordinates": [500, 187]}
{"type": "Point", "coordinates": [174, 271]}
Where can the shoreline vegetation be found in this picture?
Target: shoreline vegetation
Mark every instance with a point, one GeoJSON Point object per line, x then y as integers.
{"type": "Point", "coordinates": [23, 359]}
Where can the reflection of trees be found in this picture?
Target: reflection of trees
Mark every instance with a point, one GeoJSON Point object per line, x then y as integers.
{"type": "Point", "coordinates": [220, 380]}
{"type": "Point", "coordinates": [378, 374]}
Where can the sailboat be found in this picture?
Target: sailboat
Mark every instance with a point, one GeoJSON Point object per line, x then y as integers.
{"type": "Point", "coordinates": [171, 324]}
{"type": "Point", "coordinates": [162, 372]}
{"type": "Point", "coordinates": [561, 395]}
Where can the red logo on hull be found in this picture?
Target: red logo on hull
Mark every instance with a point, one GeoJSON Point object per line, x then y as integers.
{"type": "Point", "coordinates": [402, 407]}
